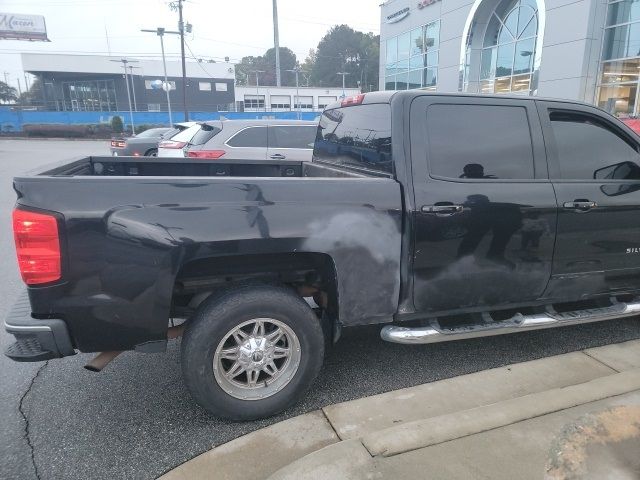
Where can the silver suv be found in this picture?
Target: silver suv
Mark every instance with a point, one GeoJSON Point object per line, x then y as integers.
{"type": "Point", "coordinates": [255, 140]}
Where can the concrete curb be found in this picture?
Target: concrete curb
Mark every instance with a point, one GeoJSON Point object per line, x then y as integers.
{"type": "Point", "coordinates": [432, 431]}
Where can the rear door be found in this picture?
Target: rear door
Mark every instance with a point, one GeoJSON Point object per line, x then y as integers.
{"type": "Point", "coordinates": [485, 215]}
{"type": "Point", "coordinates": [595, 169]}
{"type": "Point", "coordinates": [291, 142]}
{"type": "Point", "coordinates": [249, 143]}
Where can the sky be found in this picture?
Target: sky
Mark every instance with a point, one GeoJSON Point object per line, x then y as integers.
{"type": "Point", "coordinates": [221, 28]}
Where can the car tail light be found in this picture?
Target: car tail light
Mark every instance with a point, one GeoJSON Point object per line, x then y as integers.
{"type": "Point", "coordinates": [353, 100]}
{"type": "Point", "coordinates": [37, 246]}
{"type": "Point", "coordinates": [118, 143]}
{"type": "Point", "coordinates": [205, 154]}
{"type": "Point", "coordinates": [172, 144]}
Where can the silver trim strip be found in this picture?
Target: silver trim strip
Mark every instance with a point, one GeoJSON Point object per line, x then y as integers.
{"type": "Point", "coordinates": [26, 328]}
{"type": "Point", "coordinates": [518, 323]}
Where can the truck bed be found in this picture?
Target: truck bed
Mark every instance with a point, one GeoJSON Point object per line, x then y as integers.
{"type": "Point", "coordinates": [100, 166]}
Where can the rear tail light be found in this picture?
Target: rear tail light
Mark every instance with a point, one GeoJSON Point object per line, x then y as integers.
{"type": "Point", "coordinates": [172, 144]}
{"type": "Point", "coordinates": [118, 143]}
{"type": "Point", "coordinates": [353, 100]}
{"type": "Point", "coordinates": [205, 154]}
{"type": "Point", "coordinates": [37, 246]}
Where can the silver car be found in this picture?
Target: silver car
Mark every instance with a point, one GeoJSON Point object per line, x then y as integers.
{"type": "Point", "coordinates": [254, 140]}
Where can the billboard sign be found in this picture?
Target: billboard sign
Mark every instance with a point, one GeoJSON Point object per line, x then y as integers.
{"type": "Point", "coordinates": [14, 26]}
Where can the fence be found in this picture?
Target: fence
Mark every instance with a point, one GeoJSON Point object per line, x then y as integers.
{"type": "Point", "coordinates": [12, 120]}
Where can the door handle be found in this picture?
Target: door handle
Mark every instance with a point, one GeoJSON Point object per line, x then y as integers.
{"type": "Point", "coordinates": [277, 156]}
{"type": "Point", "coordinates": [580, 205]}
{"type": "Point", "coordinates": [442, 210]}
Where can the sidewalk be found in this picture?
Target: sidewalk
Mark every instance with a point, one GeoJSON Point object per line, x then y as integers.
{"type": "Point", "coordinates": [570, 416]}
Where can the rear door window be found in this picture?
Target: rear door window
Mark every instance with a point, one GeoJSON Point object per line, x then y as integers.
{"type": "Point", "coordinates": [358, 137]}
{"type": "Point", "coordinates": [292, 136]}
{"type": "Point", "coordinates": [480, 142]}
{"type": "Point", "coordinates": [206, 133]}
{"type": "Point", "coordinates": [255, 137]}
{"type": "Point", "coordinates": [186, 135]}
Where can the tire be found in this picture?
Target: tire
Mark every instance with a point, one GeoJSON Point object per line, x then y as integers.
{"type": "Point", "coordinates": [218, 329]}
{"type": "Point", "coordinates": [151, 153]}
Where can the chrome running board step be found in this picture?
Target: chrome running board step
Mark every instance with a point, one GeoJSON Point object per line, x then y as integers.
{"type": "Point", "coordinates": [435, 333]}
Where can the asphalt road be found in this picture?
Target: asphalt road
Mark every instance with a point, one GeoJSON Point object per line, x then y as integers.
{"type": "Point", "coordinates": [136, 419]}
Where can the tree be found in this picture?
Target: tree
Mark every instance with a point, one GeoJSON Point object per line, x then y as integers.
{"type": "Point", "coordinates": [245, 70]}
{"type": "Point", "coordinates": [7, 93]}
{"type": "Point", "coordinates": [33, 96]}
{"type": "Point", "coordinates": [116, 124]}
{"type": "Point", "coordinates": [343, 49]}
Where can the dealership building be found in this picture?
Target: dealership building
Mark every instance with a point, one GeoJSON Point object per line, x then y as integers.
{"type": "Point", "coordinates": [586, 50]}
{"type": "Point", "coordinates": [97, 83]}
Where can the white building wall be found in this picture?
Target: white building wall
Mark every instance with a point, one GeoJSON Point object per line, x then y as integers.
{"type": "Point", "coordinates": [277, 94]}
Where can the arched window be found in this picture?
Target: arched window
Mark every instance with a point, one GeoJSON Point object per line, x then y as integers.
{"type": "Point", "coordinates": [500, 54]}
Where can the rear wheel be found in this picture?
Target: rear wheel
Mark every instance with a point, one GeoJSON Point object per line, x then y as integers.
{"type": "Point", "coordinates": [152, 153]}
{"type": "Point", "coordinates": [251, 352]}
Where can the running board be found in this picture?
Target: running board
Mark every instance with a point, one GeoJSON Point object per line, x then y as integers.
{"type": "Point", "coordinates": [435, 333]}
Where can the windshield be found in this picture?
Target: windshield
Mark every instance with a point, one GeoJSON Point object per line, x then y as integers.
{"type": "Point", "coordinates": [152, 132]}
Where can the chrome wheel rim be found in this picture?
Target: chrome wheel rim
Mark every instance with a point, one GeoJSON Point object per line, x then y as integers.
{"type": "Point", "coordinates": [256, 359]}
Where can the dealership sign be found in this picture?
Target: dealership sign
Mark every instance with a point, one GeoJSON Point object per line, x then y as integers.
{"type": "Point", "coordinates": [14, 26]}
{"type": "Point", "coordinates": [397, 16]}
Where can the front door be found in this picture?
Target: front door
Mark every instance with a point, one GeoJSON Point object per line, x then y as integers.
{"type": "Point", "coordinates": [595, 168]}
{"type": "Point", "coordinates": [485, 215]}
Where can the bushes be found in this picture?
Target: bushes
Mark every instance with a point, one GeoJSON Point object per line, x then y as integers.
{"type": "Point", "coordinates": [67, 131]}
{"type": "Point", "coordinates": [116, 124]}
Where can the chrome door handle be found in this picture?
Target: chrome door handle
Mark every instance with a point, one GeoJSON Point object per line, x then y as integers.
{"type": "Point", "coordinates": [277, 156]}
{"type": "Point", "coordinates": [580, 205]}
{"type": "Point", "coordinates": [442, 210]}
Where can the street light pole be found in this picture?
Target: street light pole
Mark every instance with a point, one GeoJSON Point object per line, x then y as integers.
{"type": "Point", "coordinates": [160, 31]}
{"type": "Point", "coordinates": [276, 41]}
{"type": "Point", "coordinates": [297, 72]}
{"type": "Point", "coordinates": [124, 62]}
{"type": "Point", "coordinates": [133, 88]}
{"type": "Point", "coordinates": [344, 74]}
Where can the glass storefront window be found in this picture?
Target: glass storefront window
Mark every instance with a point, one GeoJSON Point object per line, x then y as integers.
{"type": "Point", "coordinates": [621, 71]}
{"type": "Point", "coordinates": [430, 77]}
{"type": "Point", "coordinates": [392, 50]}
{"type": "Point", "coordinates": [523, 62]}
{"type": "Point", "coordinates": [390, 83]}
{"type": "Point", "coordinates": [417, 41]}
{"type": "Point", "coordinates": [521, 83]}
{"type": "Point", "coordinates": [416, 62]}
{"type": "Point", "coordinates": [619, 99]}
{"type": "Point", "coordinates": [402, 81]}
{"type": "Point", "coordinates": [431, 59]}
{"type": "Point", "coordinates": [404, 46]}
{"type": "Point", "coordinates": [91, 95]}
{"type": "Point", "coordinates": [432, 35]}
{"type": "Point", "coordinates": [622, 42]}
{"type": "Point", "coordinates": [504, 63]}
{"type": "Point", "coordinates": [503, 85]}
{"type": "Point", "coordinates": [625, 11]}
{"type": "Point", "coordinates": [415, 79]}
{"type": "Point", "coordinates": [488, 67]}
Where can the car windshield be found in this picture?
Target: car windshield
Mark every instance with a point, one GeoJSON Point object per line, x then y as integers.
{"type": "Point", "coordinates": [152, 132]}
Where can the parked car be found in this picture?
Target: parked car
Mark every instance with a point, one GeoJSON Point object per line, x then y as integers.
{"type": "Point", "coordinates": [465, 216]}
{"type": "Point", "coordinates": [632, 123]}
{"type": "Point", "coordinates": [258, 140]}
{"type": "Point", "coordinates": [176, 145]}
{"type": "Point", "coordinates": [144, 143]}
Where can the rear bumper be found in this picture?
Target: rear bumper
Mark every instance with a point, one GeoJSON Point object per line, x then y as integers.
{"type": "Point", "coordinates": [36, 340]}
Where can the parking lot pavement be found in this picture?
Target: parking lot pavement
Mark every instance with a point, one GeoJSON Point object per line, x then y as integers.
{"type": "Point", "coordinates": [136, 420]}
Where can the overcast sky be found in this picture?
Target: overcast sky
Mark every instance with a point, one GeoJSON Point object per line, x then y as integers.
{"type": "Point", "coordinates": [233, 28]}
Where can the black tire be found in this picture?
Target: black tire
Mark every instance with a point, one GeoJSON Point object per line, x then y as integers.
{"type": "Point", "coordinates": [220, 314]}
{"type": "Point", "coordinates": [151, 153]}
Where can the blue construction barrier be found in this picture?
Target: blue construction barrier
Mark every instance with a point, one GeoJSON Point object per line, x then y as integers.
{"type": "Point", "coordinates": [12, 120]}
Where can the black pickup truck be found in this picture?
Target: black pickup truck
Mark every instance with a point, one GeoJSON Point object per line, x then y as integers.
{"type": "Point", "coordinates": [438, 216]}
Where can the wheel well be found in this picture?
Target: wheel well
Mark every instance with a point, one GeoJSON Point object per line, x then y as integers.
{"type": "Point", "coordinates": [310, 274]}
{"type": "Point", "coordinates": [149, 150]}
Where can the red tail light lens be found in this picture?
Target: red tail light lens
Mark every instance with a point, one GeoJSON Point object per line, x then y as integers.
{"type": "Point", "coordinates": [353, 100]}
{"type": "Point", "coordinates": [118, 143]}
{"type": "Point", "coordinates": [37, 246]}
{"type": "Point", "coordinates": [206, 154]}
{"type": "Point", "coordinates": [172, 144]}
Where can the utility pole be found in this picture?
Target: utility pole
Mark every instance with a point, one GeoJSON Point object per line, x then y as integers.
{"type": "Point", "coordinates": [27, 87]}
{"type": "Point", "coordinates": [6, 79]}
{"type": "Point", "coordinates": [177, 5]}
{"type": "Point", "coordinates": [276, 41]}
{"type": "Point", "coordinates": [297, 72]}
{"type": "Point", "coordinates": [124, 62]}
{"type": "Point", "coordinates": [160, 31]}
{"type": "Point", "coordinates": [133, 88]}
{"type": "Point", "coordinates": [344, 74]}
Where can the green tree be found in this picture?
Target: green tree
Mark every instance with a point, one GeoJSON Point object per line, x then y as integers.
{"type": "Point", "coordinates": [116, 124]}
{"type": "Point", "coordinates": [33, 96]}
{"type": "Point", "coordinates": [7, 93]}
{"type": "Point", "coordinates": [245, 70]}
{"type": "Point", "coordinates": [343, 49]}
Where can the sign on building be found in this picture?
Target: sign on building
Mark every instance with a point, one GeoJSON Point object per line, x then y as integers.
{"type": "Point", "coordinates": [15, 26]}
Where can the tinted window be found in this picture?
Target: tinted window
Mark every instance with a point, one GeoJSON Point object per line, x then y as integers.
{"type": "Point", "coordinates": [291, 136]}
{"type": "Point", "coordinates": [250, 137]}
{"type": "Point", "coordinates": [206, 133]}
{"type": "Point", "coordinates": [171, 133]}
{"type": "Point", "coordinates": [358, 136]}
{"type": "Point", "coordinates": [589, 148]}
{"type": "Point", "coordinates": [187, 135]}
{"type": "Point", "coordinates": [479, 142]}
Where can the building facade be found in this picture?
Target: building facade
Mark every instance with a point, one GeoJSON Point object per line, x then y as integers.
{"type": "Point", "coordinates": [97, 83]}
{"type": "Point", "coordinates": [286, 99]}
{"type": "Point", "coordinates": [587, 50]}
